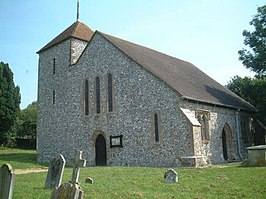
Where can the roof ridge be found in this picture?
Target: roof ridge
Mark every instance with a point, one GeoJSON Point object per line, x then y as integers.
{"type": "Point", "coordinates": [76, 30]}
{"type": "Point", "coordinates": [77, 24]}
{"type": "Point", "coordinates": [142, 46]}
{"type": "Point", "coordinates": [206, 89]}
{"type": "Point", "coordinates": [181, 76]}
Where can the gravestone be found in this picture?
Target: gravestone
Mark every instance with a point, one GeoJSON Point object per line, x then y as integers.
{"type": "Point", "coordinates": [78, 162]}
{"type": "Point", "coordinates": [71, 190]}
{"type": "Point", "coordinates": [7, 178]}
{"type": "Point", "coordinates": [257, 155]}
{"type": "Point", "coordinates": [55, 172]}
{"type": "Point", "coordinates": [170, 176]}
{"type": "Point", "coordinates": [68, 191]}
{"type": "Point", "coordinates": [89, 180]}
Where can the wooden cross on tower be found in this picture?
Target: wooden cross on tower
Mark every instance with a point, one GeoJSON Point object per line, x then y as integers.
{"type": "Point", "coordinates": [78, 162]}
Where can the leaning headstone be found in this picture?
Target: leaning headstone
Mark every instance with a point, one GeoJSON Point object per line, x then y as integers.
{"type": "Point", "coordinates": [170, 176]}
{"type": "Point", "coordinates": [89, 180]}
{"type": "Point", "coordinates": [78, 162]}
{"type": "Point", "coordinates": [72, 189]}
{"type": "Point", "coordinates": [7, 178]}
{"type": "Point", "coordinates": [55, 172]}
{"type": "Point", "coordinates": [68, 191]}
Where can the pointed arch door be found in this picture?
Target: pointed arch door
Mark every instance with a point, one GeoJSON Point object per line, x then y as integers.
{"type": "Point", "coordinates": [224, 145]}
{"type": "Point", "coordinates": [100, 151]}
{"type": "Point", "coordinates": [227, 143]}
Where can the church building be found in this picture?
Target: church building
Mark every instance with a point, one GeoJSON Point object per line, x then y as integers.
{"type": "Point", "coordinates": [125, 104]}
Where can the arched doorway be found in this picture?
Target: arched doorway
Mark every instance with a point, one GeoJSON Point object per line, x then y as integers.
{"type": "Point", "coordinates": [224, 145]}
{"type": "Point", "coordinates": [227, 142]}
{"type": "Point", "coordinates": [100, 151]}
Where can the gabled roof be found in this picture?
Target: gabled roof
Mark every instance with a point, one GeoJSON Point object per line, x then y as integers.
{"type": "Point", "coordinates": [185, 78]}
{"type": "Point", "coordinates": [77, 30]}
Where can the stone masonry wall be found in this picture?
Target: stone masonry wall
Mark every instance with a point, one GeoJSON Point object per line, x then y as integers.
{"type": "Point", "coordinates": [63, 127]}
{"type": "Point", "coordinates": [52, 122]}
{"type": "Point", "coordinates": [212, 151]}
{"type": "Point", "coordinates": [137, 95]}
{"type": "Point", "coordinates": [77, 47]}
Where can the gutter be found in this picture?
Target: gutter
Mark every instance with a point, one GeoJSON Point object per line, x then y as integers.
{"type": "Point", "coordinates": [217, 104]}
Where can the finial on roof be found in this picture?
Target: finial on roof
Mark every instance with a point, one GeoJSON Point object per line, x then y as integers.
{"type": "Point", "coordinates": [77, 10]}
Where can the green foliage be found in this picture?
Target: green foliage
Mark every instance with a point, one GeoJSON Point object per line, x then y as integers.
{"type": "Point", "coordinates": [9, 138]}
{"type": "Point", "coordinates": [9, 101]}
{"type": "Point", "coordinates": [252, 90]}
{"type": "Point", "coordinates": [26, 124]}
{"type": "Point", "coordinates": [255, 59]}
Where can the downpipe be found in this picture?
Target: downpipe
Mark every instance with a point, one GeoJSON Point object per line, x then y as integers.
{"type": "Point", "coordinates": [238, 133]}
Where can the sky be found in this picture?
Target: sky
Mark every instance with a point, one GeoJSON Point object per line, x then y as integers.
{"type": "Point", "coordinates": [206, 33]}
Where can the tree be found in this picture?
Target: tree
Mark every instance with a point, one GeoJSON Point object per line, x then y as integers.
{"type": "Point", "coordinates": [252, 90]}
{"type": "Point", "coordinates": [255, 59]}
{"type": "Point", "coordinates": [27, 122]}
{"type": "Point", "coordinates": [9, 101]}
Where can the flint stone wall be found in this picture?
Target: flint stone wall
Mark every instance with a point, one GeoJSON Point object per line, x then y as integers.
{"type": "Point", "coordinates": [64, 128]}
{"type": "Point", "coordinates": [77, 47]}
{"type": "Point", "coordinates": [212, 151]}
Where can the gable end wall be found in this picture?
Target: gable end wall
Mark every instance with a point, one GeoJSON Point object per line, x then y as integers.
{"type": "Point", "coordinates": [137, 94]}
{"type": "Point", "coordinates": [63, 127]}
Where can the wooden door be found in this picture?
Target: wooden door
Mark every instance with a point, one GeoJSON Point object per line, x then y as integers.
{"type": "Point", "coordinates": [100, 151]}
{"type": "Point", "coordinates": [224, 145]}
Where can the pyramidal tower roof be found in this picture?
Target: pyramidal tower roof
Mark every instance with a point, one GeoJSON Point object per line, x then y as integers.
{"type": "Point", "coordinates": [77, 30]}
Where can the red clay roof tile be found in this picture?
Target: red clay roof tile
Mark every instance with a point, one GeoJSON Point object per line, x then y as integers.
{"type": "Point", "coordinates": [77, 30]}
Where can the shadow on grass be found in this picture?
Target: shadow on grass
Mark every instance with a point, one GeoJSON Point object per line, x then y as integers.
{"type": "Point", "coordinates": [246, 165]}
{"type": "Point", "coordinates": [242, 165]}
{"type": "Point", "coordinates": [21, 158]}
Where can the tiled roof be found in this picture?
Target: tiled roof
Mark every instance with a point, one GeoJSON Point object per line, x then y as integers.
{"type": "Point", "coordinates": [185, 78]}
{"type": "Point", "coordinates": [77, 30]}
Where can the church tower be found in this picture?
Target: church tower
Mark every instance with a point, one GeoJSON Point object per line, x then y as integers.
{"type": "Point", "coordinates": [57, 60]}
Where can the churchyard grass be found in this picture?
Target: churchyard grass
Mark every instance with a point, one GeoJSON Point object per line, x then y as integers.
{"type": "Point", "coordinates": [223, 181]}
{"type": "Point", "coordinates": [20, 158]}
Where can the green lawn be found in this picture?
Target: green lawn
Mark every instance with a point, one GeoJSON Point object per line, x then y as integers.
{"type": "Point", "coordinates": [19, 158]}
{"type": "Point", "coordinates": [234, 181]}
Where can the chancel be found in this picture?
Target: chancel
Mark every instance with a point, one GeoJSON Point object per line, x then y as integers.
{"type": "Point", "coordinates": [93, 85]}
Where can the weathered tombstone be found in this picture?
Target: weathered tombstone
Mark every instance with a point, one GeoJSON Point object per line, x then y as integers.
{"type": "Point", "coordinates": [7, 178]}
{"type": "Point", "coordinates": [78, 162]}
{"type": "Point", "coordinates": [72, 189]}
{"type": "Point", "coordinates": [257, 155]}
{"type": "Point", "coordinates": [170, 176]}
{"type": "Point", "coordinates": [55, 172]}
{"type": "Point", "coordinates": [68, 191]}
{"type": "Point", "coordinates": [89, 180]}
